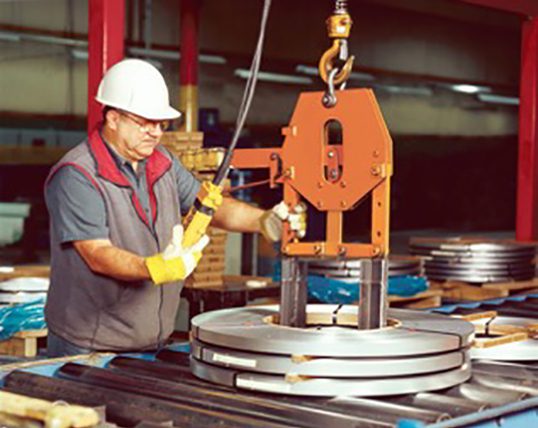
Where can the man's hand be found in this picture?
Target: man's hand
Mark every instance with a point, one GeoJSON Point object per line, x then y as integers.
{"type": "Point", "coordinates": [271, 221]}
{"type": "Point", "coordinates": [175, 263]}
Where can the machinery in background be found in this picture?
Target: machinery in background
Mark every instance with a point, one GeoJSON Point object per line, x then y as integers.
{"type": "Point", "coordinates": [475, 260]}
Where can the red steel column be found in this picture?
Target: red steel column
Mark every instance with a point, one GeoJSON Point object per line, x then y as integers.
{"type": "Point", "coordinates": [188, 68]}
{"type": "Point", "coordinates": [527, 180]}
{"type": "Point", "coordinates": [106, 28]}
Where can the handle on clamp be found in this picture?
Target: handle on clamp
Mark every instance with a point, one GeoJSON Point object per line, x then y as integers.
{"type": "Point", "coordinates": [209, 198]}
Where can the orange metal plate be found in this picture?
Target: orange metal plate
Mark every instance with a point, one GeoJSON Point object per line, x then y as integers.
{"type": "Point", "coordinates": [366, 151]}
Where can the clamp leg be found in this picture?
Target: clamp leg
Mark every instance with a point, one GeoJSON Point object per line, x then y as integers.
{"type": "Point", "coordinates": [293, 292]}
{"type": "Point", "coordinates": [373, 294]}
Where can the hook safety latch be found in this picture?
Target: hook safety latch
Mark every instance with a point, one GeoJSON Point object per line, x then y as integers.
{"type": "Point", "coordinates": [338, 29]}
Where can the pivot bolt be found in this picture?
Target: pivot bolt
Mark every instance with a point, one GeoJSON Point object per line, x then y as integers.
{"type": "Point", "coordinates": [375, 170]}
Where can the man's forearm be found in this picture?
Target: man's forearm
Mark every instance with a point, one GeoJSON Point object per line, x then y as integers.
{"type": "Point", "coordinates": [237, 216]}
{"type": "Point", "coordinates": [104, 258]}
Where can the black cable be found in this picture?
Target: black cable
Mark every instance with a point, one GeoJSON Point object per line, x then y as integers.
{"type": "Point", "coordinates": [248, 94]}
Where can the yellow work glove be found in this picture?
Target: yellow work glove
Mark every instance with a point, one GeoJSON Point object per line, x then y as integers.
{"type": "Point", "coordinates": [175, 263]}
{"type": "Point", "coordinates": [271, 221]}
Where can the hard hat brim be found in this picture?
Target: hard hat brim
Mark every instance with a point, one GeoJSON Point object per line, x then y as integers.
{"type": "Point", "coordinates": [167, 113]}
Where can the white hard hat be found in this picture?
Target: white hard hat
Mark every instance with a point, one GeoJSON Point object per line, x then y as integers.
{"type": "Point", "coordinates": [138, 87]}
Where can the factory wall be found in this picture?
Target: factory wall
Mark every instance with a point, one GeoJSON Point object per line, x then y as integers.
{"type": "Point", "coordinates": [457, 44]}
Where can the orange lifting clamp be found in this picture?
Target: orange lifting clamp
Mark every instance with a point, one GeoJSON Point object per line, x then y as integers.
{"type": "Point", "coordinates": [364, 159]}
{"type": "Point", "coordinates": [334, 178]}
{"type": "Point", "coordinates": [364, 162]}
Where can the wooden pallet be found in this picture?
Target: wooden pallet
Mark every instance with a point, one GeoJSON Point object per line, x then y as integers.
{"type": "Point", "coordinates": [459, 290]}
{"type": "Point", "coordinates": [497, 334]}
{"type": "Point", "coordinates": [178, 141]}
{"type": "Point", "coordinates": [22, 344]}
{"type": "Point", "coordinates": [210, 270]}
{"type": "Point", "coordinates": [93, 359]}
{"type": "Point", "coordinates": [426, 299]}
{"type": "Point", "coordinates": [23, 411]}
{"type": "Point", "coordinates": [26, 271]}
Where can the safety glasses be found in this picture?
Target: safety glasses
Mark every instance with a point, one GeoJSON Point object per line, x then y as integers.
{"type": "Point", "coordinates": [146, 125]}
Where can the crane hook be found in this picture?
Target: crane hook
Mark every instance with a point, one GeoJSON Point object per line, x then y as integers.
{"type": "Point", "coordinates": [338, 29]}
{"type": "Point", "coordinates": [326, 63]}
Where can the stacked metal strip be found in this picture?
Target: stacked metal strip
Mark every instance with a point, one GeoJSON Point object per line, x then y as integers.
{"type": "Point", "coordinates": [246, 349]}
{"type": "Point", "coordinates": [350, 270]}
{"type": "Point", "coordinates": [23, 290]}
{"type": "Point", "coordinates": [474, 260]}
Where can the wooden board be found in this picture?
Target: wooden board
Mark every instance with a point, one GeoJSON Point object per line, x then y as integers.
{"type": "Point", "coordinates": [206, 283]}
{"type": "Point", "coordinates": [212, 259]}
{"type": "Point", "coordinates": [210, 267]}
{"type": "Point", "coordinates": [39, 271]}
{"type": "Point", "coordinates": [92, 359]}
{"type": "Point", "coordinates": [30, 155]}
{"type": "Point", "coordinates": [426, 299]}
{"type": "Point", "coordinates": [178, 141]}
{"type": "Point", "coordinates": [22, 344]}
{"type": "Point", "coordinates": [459, 290]}
{"type": "Point", "coordinates": [512, 286]}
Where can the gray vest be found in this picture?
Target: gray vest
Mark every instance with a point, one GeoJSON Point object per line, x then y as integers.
{"type": "Point", "coordinates": [95, 311]}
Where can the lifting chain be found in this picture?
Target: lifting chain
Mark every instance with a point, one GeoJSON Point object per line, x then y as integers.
{"type": "Point", "coordinates": [338, 29]}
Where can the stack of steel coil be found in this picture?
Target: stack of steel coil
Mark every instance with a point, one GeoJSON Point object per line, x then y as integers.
{"type": "Point", "coordinates": [247, 348]}
{"type": "Point", "coordinates": [350, 270]}
{"type": "Point", "coordinates": [23, 290]}
{"type": "Point", "coordinates": [474, 260]}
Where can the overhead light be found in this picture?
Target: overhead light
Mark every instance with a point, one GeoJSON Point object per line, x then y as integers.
{"type": "Point", "coordinates": [498, 99]}
{"type": "Point", "coordinates": [469, 89]}
{"type": "Point", "coordinates": [79, 54]}
{"type": "Point", "coordinates": [9, 37]}
{"type": "Point", "coordinates": [313, 71]}
{"type": "Point", "coordinates": [307, 69]}
{"type": "Point", "coordinates": [274, 77]}
{"type": "Point", "coordinates": [357, 75]}
{"type": "Point", "coordinates": [211, 59]}
{"type": "Point", "coordinates": [175, 55]}
{"type": "Point", "coordinates": [405, 90]}
{"type": "Point", "coordinates": [154, 53]}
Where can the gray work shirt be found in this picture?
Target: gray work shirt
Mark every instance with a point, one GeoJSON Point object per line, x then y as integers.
{"type": "Point", "coordinates": [78, 211]}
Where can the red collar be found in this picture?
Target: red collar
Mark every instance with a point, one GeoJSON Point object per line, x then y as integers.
{"type": "Point", "coordinates": [156, 165]}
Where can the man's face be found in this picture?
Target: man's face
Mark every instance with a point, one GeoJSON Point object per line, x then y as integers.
{"type": "Point", "coordinates": [135, 136]}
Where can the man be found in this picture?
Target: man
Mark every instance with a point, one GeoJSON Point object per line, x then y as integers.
{"type": "Point", "coordinates": [116, 203]}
